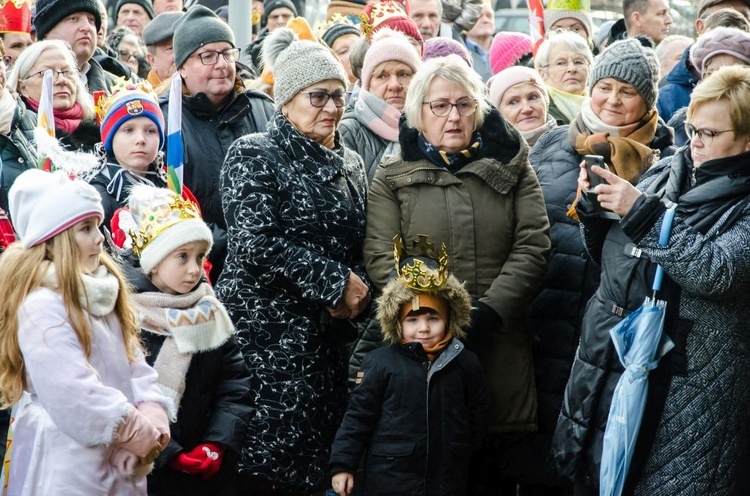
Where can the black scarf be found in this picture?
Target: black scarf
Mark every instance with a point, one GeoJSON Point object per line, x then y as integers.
{"type": "Point", "coordinates": [705, 194]}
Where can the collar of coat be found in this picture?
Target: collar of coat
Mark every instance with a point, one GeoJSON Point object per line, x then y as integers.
{"type": "Point", "coordinates": [499, 163]}
{"type": "Point", "coordinates": [309, 156]}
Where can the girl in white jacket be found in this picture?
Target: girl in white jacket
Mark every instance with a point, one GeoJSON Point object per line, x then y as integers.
{"type": "Point", "coordinates": [89, 417]}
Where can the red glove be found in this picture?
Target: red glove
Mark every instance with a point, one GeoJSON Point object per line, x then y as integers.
{"type": "Point", "coordinates": [204, 459]}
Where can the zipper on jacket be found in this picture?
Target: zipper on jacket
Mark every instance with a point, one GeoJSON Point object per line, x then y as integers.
{"type": "Point", "coordinates": [693, 180]}
{"type": "Point", "coordinates": [404, 174]}
{"type": "Point", "coordinates": [427, 423]}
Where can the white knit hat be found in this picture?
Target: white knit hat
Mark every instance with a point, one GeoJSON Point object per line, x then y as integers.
{"type": "Point", "coordinates": [44, 204]}
{"type": "Point", "coordinates": [163, 221]}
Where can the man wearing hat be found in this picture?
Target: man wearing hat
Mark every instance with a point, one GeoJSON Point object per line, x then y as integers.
{"type": "Point", "coordinates": [276, 13]}
{"type": "Point", "coordinates": [135, 14]}
{"type": "Point", "coordinates": [708, 7]}
{"type": "Point", "coordinates": [216, 110]}
{"type": "Point", "coordinates": [75, 22]}
{"type": "Point", "coordinates": [570, 15]}
{"type": "Point", "coordinates": [15, 26]}
{"type": "Point", "coordinates": [158, 40]}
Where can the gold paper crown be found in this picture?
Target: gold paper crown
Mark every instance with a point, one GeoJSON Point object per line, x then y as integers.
{"type": "Point", "coordinates": [376, 13]}
{"type": "Point", "coordinates": [157, 218]}
{"type": "Point", "coordinates": [418, 276]}
{"type": "Point", "coordinates": [122, 89]}
{"type": "Point", "coordinates": [322, 26]}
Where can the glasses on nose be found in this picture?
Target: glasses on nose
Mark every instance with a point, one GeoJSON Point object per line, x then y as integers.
{"type": "Point", "coordinates": [705, 135]}
{"type": "Point", "coordinates": [211, 57]}
{"type": "Point", "coordinates": [68, 74]}
{"type": "Point", "coordinates": [125, 55]}
{"type": "Point", "coordinates": [441, 108]}
{"type": "Point", "coordinates": [319, 99]}
{"type": "Point", "coordinates": [563, 64]}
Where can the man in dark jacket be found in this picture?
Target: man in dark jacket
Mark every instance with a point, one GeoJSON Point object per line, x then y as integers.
{"type": "Point", "coordinates": [216, 110]}
{"type": "Point", "coordinates": [75, 22]}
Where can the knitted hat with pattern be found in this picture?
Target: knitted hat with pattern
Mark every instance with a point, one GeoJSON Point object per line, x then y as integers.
{"type": "Point", "coordinates": [297, 64]}
{"type": "Point", "coordinates": [575, 9]}
{"type": "Point", "coordinates": [720, 41]}
{"type": "Point", "coordinates": [442, 47]}
{"type": "Point", "coordinates": [631, 62]}
{"type": "Point", "coordinates": [507, 49]}
{"type": "Point", "coordinates": [128, 101]}
{"type": "Point", "coordinates": [199, 26]}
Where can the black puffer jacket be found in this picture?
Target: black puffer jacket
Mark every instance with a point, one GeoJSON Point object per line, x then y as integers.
{"type": "Point", "coordinates": [572, 278]}
{"type": "Point", "coordinates": [410, 417]}
{"type": "Point", "coordinates": [357, 137]}
{"type": "Point", "coordinates": [207, 134]}
{"type": "Point", "coordinates": [17, 150]}
{"type": "Point", "coordinates": [215, 408]}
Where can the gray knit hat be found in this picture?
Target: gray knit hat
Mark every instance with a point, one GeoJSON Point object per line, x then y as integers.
{"type": "Point", "coordinates": [146, 4]}
{"type": "Point", "coordinates": [199, 26]}
{"type": "Point", "coordinates": [297, 64]}
{"type": "Point", "coordinates": [720, 41]}
{"type": "Point", "coordinates": [629, 61]}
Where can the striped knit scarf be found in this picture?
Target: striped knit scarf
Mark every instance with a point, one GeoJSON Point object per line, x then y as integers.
{"type": "Point", "coordinates": [192, 323]}
{"type": "Point", "coordinates": [378, 115]}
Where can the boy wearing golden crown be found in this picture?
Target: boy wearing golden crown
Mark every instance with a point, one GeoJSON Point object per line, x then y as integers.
{"type": "Point", "coordinates": [189, 338]}
{"type": "Point", "coordinates": [421, 404]}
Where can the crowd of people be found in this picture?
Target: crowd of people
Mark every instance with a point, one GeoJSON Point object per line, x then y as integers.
{"type": "Point", "coordinates": [387, 266]}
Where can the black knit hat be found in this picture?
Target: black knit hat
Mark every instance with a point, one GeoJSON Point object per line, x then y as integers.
{"type": "Point", "coordinates": [146, 4]}
{"type": "Point", "coordinates": [338, 29]}
{"type": "Point", "coordinates": [199, 26]}
{"type": "Point", "coordinates": [271, 5]}
{"type": "Point", "coordinates": [49, 13]}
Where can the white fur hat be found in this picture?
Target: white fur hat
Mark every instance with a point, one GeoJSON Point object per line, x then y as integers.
{"type": "Point", "coordinates": [164, 221]}
{"type": "Point", "coordinates": [44, 204]}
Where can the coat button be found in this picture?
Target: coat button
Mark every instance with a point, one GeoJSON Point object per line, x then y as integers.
{"type": "Point", "coordinates": [455, 346]}
{"type": "Point", "coordinates": [440, 365]}
{"type": "Point", "coordinates": [20, 160]}
{"type": "Point", "coordinates": [408, 180]}
{"type": "Point", "coordinates": [429, 178]}
{"type": "Point", "coordinates": [440, 181]}
{"type": "Point", "coordinates": [392, 184]}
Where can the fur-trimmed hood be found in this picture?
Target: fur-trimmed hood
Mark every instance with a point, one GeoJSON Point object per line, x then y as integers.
{"type": "Point", "coordinates": [396, 293]}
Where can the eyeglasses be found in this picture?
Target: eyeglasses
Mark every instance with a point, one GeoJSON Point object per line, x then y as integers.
{"type": "Point", "coordinates": [211, 57]}
{"type": "Point", "coordinates": [705, 135]}
{"type": "Point", "coordinates": [441, 108]}
{"type": "Point", "coordinates": [125, 55]}
{"type": "Point", "coordinates": [68, 74]}
{"type": "Point", "coordinates": [5, 61]}
{"type": "Point", "coordinates": [319, 99]}
{"type": "Point", "coordinates": [563, 64]}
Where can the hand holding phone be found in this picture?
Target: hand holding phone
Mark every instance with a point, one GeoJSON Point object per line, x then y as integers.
{"type": "Point", "coordinates": [594, 179]}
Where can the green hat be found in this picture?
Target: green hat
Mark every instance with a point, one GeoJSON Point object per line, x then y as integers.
{"type": "Point", "coordinates": [563, 9]}
{"type": "Point", "coordinates": [199, 26]}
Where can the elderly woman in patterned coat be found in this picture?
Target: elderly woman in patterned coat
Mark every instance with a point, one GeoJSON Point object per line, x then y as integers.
{"type": "Point", "coordinates": [294, 201]}
{"type": "Point", "coordinates": [695, 425]}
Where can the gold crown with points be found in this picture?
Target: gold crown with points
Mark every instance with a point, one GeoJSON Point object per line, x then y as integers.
{"type": "Point", "coordinates": [123, 88]}
{"type": "Point", "coordinates": [157, 217]}
{"type": "Point", "coordinates": [417, 275]}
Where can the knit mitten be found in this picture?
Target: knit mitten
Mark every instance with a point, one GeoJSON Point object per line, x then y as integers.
{"type": "Point", "coordinates": [204, 459]}
{"type": "Point", "coordinates": [137, 434]}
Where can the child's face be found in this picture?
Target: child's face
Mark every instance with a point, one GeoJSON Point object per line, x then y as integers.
{"type": "Point", "coordinates": [181, 270]}
{"type": "Point", "coordinates": [426, 327]}
{"type": "Point", "coordinates": [89, 240]}
{"type": "Point", "coordinates": [136, 143]}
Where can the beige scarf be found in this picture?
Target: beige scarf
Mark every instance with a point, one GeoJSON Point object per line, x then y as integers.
{"type": "Point", "coordinates": [8, 105]}
{"type": "Point", "coordinates": [192, 323]}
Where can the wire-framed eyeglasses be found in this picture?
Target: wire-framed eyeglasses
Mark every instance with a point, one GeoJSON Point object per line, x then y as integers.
{"type": "Point", "coordinates": [441, 108]}
{"type": "Point", "coordinates": [319, 99]}
{"type": "Point", "coordinates": [68, 74]}
{"type": "Point", "coordinates": [211, 57]}
{"type": "Point", "coordinates": [705, 135]}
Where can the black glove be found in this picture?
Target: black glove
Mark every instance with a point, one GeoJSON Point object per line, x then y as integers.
{"type": "Point", "coordinates": [484, 318]}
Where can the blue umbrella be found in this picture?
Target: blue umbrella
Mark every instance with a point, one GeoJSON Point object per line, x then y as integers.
{"type": "Point", "coordinates": [639, 344]}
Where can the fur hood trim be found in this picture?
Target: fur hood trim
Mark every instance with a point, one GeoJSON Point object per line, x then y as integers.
{"type": "Point", "coordinates": [396, 293]}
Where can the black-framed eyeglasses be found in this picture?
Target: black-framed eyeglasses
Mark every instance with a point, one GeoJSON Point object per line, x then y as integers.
{"type": "Point", "coordinates": [125, 55]}
{"type": "Point", "coordinates": [705, 135]}
{"type": "Point", "coordinates": [441, 108]}
{"type": "Point", "coordinates": [319, 99]}
{"type": "Point", "coordinates": [211, 57]}
{"type": "Point", "coordinates": [68, 74]}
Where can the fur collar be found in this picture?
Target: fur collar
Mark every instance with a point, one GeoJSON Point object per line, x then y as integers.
{"type": "Point", "coordinates": [100, 289]}
{"type": "Point", "coordinates": [85, 136]}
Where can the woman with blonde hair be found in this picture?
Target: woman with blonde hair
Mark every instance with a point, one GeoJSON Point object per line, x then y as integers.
{"type": "Point", "coordinates": [89, 415]}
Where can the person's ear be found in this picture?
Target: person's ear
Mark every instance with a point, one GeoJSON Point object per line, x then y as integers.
{"type": "Point", "coordinates": [700, 25]}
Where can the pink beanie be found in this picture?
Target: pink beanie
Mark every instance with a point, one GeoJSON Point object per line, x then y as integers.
{"type": "Point", "coordinates": [507, 49]}
{"type": "Point", "coordinates": [507, 78]}
{"type": "Point", "coordinates": [442, 47]}
{"type": "Point", "coordinates": [388, 46]}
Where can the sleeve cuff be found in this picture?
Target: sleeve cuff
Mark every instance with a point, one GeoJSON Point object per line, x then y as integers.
{"type": "Point", "coordinates": [645, 212]}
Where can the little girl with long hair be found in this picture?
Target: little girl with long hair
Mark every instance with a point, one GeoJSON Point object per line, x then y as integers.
{"type": "Point", "coordinates": [89, 417]}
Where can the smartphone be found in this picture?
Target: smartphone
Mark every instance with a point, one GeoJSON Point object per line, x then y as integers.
{"type": "Point", "coordinates": [594, 180]}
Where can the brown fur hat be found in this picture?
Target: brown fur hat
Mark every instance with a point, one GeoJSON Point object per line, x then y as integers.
{"type": "Point", "coordinates": [396, 294]}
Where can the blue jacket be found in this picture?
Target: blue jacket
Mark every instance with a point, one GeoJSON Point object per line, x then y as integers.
{"type": "Point", "coordinates": [676, 93]}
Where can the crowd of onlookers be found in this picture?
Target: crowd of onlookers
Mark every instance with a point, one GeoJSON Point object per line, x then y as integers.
{"type": "Point", "coordinates": [303, 155]}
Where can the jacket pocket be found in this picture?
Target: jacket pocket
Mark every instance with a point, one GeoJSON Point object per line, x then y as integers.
{"type": "Point", "coordinates": [391, 451]}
